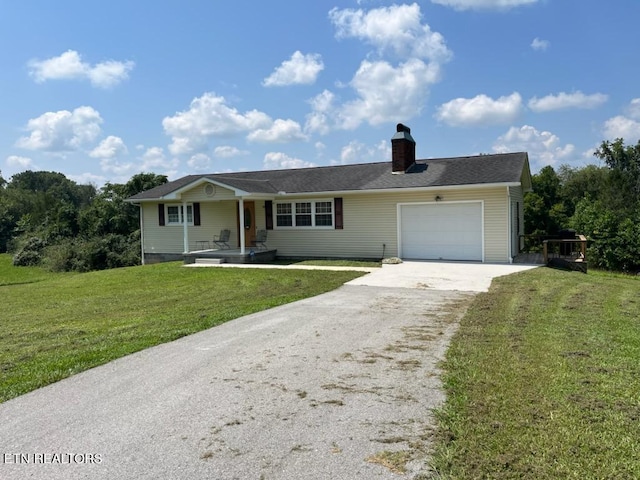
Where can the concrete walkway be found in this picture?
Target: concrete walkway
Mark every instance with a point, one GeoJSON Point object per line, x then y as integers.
{"type": "Point", "coordinates": [456, 276]}
{"type": "Point", "coordinates": [316, 389]}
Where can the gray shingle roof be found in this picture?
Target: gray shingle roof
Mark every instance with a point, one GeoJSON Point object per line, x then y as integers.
{"type": "Point", "coordinates": [437, 172]}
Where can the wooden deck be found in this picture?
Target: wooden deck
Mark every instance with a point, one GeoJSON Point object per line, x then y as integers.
{"type": "Point", "coordinates": [554, 251]}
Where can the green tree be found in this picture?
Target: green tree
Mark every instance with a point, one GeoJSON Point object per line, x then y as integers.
{"type": "Point", "coordinates": [590, 181]}
{"type": "Point", "coordinates": [545, 212]}
{"type": "Point", "coordinates": [624, 179]}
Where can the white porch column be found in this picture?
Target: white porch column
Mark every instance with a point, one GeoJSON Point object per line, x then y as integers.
{"type": "Point", "coordinates": [141, 232]}
{"type": "Point", "coordinates": [185, 227]}
{"type": "Point", "coordinates": [241, 220]}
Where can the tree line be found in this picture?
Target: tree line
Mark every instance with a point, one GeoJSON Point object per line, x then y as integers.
{"type": "Point", "coordinates": [47, 219]}
{"type": "Point", "coordinates": [601, 202]}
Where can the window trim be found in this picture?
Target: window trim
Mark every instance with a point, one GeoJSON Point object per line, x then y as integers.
{"type": "Point", "coordinates": [313, 202]}
{"type": "Point", "coordinates": [180, 222]}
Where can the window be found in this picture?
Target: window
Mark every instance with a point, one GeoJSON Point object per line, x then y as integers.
{"type": "Point", "coordinates": [283, 215]}
{"type": "Point", "coordinates": [175, 214]}
{"type": "Point", "coordinates": [305, 214]}
{"type": "Point", "coordinates": [323, 214]}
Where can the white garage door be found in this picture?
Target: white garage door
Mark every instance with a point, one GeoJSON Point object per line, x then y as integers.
{"type": "Point", "coordinates": [441, 231]}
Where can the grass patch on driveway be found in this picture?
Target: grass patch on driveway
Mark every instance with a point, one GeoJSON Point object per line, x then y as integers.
{"type": "Point", "coordinates": [543, 380]}
{"type": "Point", "coordinates": [53, 326]}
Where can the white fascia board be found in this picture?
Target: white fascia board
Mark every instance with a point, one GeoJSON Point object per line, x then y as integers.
{"type": "Point", "coordinates": [177, 194]}
{"type": "Point", "coordinates": [399, 190]}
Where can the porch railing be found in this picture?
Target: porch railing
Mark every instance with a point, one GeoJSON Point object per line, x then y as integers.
{"type": "Point", "coordinates": [574, 250]}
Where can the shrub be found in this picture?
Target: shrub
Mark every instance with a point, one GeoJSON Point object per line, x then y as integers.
{"type": "Point", "coordinates": [30, 254]}
{"type": "Point", "coordinates": [614, 240]}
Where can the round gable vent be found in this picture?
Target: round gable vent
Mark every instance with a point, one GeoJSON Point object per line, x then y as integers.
{"type": "Point", "coordinates": [209, 190]}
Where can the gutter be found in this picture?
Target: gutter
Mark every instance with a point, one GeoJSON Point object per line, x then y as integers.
{"type": "Point", "coordinates": [262, 196]}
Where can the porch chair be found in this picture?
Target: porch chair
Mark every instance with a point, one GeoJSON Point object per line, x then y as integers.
{"type": "Point", "coordinates": [222, 240]}
{"type": "Point", "coordinates": [261, 239]}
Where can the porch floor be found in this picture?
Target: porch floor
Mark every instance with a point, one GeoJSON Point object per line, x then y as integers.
{"type": "Point", "coordinates": [232, 255]}
{"type": "Point", "coordinates": [529, 258]}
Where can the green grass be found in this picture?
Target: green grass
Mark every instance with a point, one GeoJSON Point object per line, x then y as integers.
{"type": "Point", "coordinates": [10, 275]}
{"type": "Point", "coordinates": [52, 325]}
{"type": "Point", "coordinates": [543, 380]}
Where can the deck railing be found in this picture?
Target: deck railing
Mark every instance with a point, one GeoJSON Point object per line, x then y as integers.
{"type": "Point", "coordinates": [557, 250]}
{"type": "Point", "coordinates": [571, 253]}
{"type": "Point", "coordinates": [569, 249]}
{"type": "Point", "coordinates": [533, 243]}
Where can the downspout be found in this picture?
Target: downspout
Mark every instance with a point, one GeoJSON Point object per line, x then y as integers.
{"type": "Point", "coordinates": [141, 232]}
{"type": "Point", "coordinates": [510, 226]}
{"type": "Point", "coordinates": [185, 227]}
{"type": "Point", "coordinates": [241, 221]}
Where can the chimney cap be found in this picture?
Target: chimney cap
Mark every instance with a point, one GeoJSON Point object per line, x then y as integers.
{"type": "Point", "coordinates": [403, 133]}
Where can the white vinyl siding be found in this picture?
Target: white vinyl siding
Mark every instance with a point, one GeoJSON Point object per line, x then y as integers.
{"type": "Point", "coordinates": [214, 216]}
{"type": "Point", "coordinates": [198, 194]}
{"type": "Point", "coordinates": [370, 224]}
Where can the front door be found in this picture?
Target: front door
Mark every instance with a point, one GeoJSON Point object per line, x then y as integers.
{"type": "Point", "coordinates": [249, 223]}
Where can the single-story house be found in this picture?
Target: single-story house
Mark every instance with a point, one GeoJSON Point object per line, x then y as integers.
{"type": "Point", "coordinates": [462, 208]}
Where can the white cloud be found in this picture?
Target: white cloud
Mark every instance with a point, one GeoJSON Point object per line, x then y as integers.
{"type": "Point", "coordinates": [109, 147]}
{"type": "Point", "coordinates": [199, 162]}
{"type": "Point", "coordinates": [69, 66]}
{"type": "Point", "coordinates": [567, 100]}
{"type": "Point", "coordinates": [226, 151]}
{"type": "Point", "coordinates": [154, 158]}
{"type": "Point", "coordinates": [279, 160]}
{"type": "Point", "coordinates": [209, 116]}
{"type": "Point", "coordinates": [19, 162]}
{"type": "Point", "coordinates": [483, 4]}
{"type": "Point", "coordinates": [397, 28]}
{"type": "Point", "coordinates": [88, 179]}
{"type": "Point", "coordinates": [62, 131]}
{"type": "Point", "coordinates": [633, 110]}
{"type": "Point", "coordinates": [109, 74]}
{"type": "Point", "coordinates": [544, 148]}
{"type": "Point", "coordinates": [625, 126]}
{"type": "Point", "coordinates": [299, 70]}
{"type": "Point", "coordinates": [539, 44]}
{"type": "Point", "coordinates": [622, 127]}
{"type": "Point", "coordinates": [480, 110]}
{"type": "Point", "coordinates": [387, 93]}
{"type": "Point", "coordinates": [356, 152]}
{"type": "Point", "coordinates": [122, 169]}
{"type": "Point", "coordinates": [322, 107]}
{"type": "Point", "coordinates": [281, 131]}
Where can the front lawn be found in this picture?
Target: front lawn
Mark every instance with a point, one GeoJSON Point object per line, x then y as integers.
{"type": "Point", "coordinates": [543, 380]}
{"type": "Point", "coordinates": [55, 325]}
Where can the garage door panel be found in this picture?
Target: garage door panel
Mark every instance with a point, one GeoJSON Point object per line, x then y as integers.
{"type": "Point", "coordinates": [442, 231]}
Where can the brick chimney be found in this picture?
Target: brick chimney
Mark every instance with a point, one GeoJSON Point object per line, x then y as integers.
{"type": "Point", "coordinates": [403, 149]}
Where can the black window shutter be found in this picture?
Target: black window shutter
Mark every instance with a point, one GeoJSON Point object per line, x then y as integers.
{"type": "Point", "coordinates": [268, 213]}
{"type": "Point", "coordinates": [196, 214]}
{"type": "Point", "coordinates": [161, 214]}
{"type": "Point", "coordinates": [337, 203]}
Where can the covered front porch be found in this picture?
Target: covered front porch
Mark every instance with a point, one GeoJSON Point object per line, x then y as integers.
{"type": "Point", "coordinates": [231, 255]}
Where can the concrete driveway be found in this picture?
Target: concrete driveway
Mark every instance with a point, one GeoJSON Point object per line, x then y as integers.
{"type": "Point", "coordinates": [322, 388]}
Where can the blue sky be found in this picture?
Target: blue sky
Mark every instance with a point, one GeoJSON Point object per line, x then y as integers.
{"type": "Point", "coordinates": [101, 91]}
